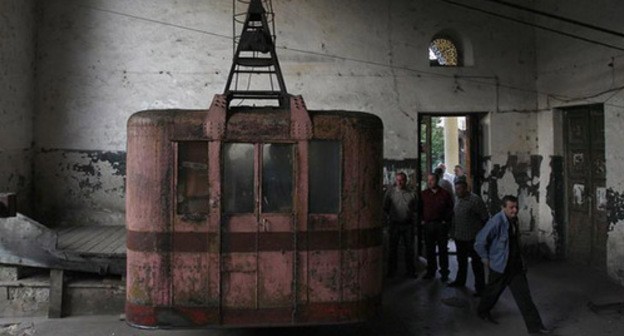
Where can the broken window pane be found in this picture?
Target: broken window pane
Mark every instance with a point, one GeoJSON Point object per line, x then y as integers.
{"type": "Point", "coordinates": [325, 176]}
{"type": "Point", "coordinates": [238, 178]}
{"type": "Point", "coordinates": [192, 181]}
{"type": "Point", "coordinates": [277, 178]}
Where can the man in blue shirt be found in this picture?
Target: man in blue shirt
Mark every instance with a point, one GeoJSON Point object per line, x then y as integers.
{"type": "Point", "coordinates": [498, 245]}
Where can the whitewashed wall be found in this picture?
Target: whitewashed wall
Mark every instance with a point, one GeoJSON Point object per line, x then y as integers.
{"type": "Point", "coordinates": [572, 72]}
{"type": "Point", "coordinates": [100, 61]}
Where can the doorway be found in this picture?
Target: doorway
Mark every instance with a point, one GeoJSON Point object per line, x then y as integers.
{"type": "Point", "coordinates": [585, 177]}
{"type": "Point", "coordinates": [463, 142]}
{"type": "Point", "coordinates": [452, 139]}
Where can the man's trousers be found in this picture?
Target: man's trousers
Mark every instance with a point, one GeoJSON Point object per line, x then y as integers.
{"type": "Point", "coordinates": [401, 232]}
{"type": "Point", "coordinates": [517, 283]}
{"type": "Point", "coordinates": [465, 249]}
{"type": "Point", "coordinates": [436, 235]}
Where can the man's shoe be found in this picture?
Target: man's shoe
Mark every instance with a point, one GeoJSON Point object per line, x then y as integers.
{"type": "Point", "coordinates": [429, 276]}
{"type": "Point", "coordinates": [444, 278]}
{"type": "Point", "coordinates": [487, 317]}
{"type": "Point", "coordinates": [391, 274]}
{"type": "Point", "coordinates": [411, 274]}
{"type": "Point", "coordinates": [455, 284]}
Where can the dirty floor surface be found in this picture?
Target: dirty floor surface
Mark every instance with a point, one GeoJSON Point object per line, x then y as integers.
{"type": "Point", "coordinates": [414, 307]}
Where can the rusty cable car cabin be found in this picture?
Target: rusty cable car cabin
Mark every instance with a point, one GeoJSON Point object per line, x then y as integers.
{"type": "Point", "coordinates": [253, 216]}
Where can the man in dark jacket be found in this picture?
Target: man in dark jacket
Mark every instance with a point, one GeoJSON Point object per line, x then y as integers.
{"type": "Point", "coordinates": [437, 211]}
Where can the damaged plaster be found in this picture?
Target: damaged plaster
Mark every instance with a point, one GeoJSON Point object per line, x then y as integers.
{"type": "Point", "coordinates": [72, 183]}
{"type": "Point", "coordinates": [516, 177]}
{"type": "Point", "coordinates": [520, 177]}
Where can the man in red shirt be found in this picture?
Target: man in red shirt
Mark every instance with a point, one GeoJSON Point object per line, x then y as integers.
{"type": "Point", "coordinates": [437, 212]}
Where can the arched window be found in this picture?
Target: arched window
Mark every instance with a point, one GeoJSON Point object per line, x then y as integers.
{"type": "Point", "coordinates": [444, 52]}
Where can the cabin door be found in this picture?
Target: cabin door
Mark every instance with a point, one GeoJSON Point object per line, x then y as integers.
{"type": "Point", "coordinates": [257, 233]}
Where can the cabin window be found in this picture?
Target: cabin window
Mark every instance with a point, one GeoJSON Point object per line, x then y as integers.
{"type": "Point", "coordinates": [325, 171]}
{"type": "Point", "coordinates": [192, 179]}
{"type": "Point", "coordinates": [277, 178]}
{"type": "Point", "coordinates": [238, 178]}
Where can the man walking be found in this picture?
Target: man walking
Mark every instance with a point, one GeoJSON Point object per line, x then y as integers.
{"type": "Point", "coordinates": [498, 245]}
{"type": "Point", "coordinates": [469, 216]}
{"type": "Point", "coordinates": [437, 211]}
{"type": "Point", "coordinates": [400, 207]}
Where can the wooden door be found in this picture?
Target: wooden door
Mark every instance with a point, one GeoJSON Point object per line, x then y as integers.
{"type": "Point", "coordinates": [586, 234]}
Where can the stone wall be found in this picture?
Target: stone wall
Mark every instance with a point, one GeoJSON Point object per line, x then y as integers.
{"type": "Point", "coordinates": [17, 71]}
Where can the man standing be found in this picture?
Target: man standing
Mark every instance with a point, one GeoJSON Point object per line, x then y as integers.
{"type": "Point", "coordinates": [400, 207]}
{"type": "Point", "coordinates": [498, 245]}
{"type": "Point", "coordinates": [445, 175]}
{"type": "Point", "coordinates": [469, 216]}
{"type": "Point", "coordinates": [444, 183]}
{"type": "Point", "coordinates": [437, 211]}
{"type": "Point", "coordinates": [459, 173]}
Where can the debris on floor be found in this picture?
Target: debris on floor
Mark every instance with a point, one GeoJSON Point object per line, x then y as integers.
{"type": "Point", "coordinates": [17, 329]}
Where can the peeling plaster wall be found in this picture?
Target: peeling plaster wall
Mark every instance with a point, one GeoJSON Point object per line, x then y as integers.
{"type": "Point", "coordinates": [572, 72]}
{"type": "Point", "coordinates": [100, 61]}
{"type": "Point", "coordinates": [512, 167]}
{"type": "Point", "coordinates": [17, 56]}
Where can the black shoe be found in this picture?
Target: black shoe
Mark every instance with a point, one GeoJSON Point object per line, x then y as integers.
{"type": "Point", "coordinates": [487, 317]}
{"type": "Point", "coordinates": [455, 284]}
{"type": "Point", "coordinates": [411, 274]}
{"type": "Point", "coordinates": [391, 274]}
{"type": "Point", "coordinates": [429, 276]}
{"type": "Point", "coordinates": [477, 294]}
{"type": "Point", "coordinates": [444, 278]}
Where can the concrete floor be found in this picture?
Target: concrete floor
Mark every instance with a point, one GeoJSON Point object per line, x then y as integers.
{"type": "Point", "coordinates": [414, 307]}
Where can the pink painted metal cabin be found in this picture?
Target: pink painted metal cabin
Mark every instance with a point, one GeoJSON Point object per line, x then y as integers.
{"type": "Point", "coordinates": [253, 216]}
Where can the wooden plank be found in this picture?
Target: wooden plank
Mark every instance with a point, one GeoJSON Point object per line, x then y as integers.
{"type": "Point", "coordinates": [104, 233]}
{"type": "Point", "coordinates": [107, 239]}
{"type": "Point", "coordinates": [55, 308]}
{"type": "Point", "coordinates": [119, 242]}
{"type": "Point", "coordinates": [93, 234]}
{"type": "Point", "coordinates": [82, 236]}
{"type": "Point", "coordinates": [68, 236]}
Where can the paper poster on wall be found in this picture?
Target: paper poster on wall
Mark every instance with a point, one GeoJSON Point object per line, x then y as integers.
{"type": "Point", "coordinates": [578, 159]}
{"type": "Point", "coordinates": [601, 198]}
{"type": "Point", "coordinates": [578, 190]}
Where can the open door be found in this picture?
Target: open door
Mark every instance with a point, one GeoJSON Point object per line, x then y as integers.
{"type": "Point", "coordinates": [469, 141]}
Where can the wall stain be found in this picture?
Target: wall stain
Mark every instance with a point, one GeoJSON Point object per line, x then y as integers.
{"type": "Point", "coordinates": [85, 168]}
{"type": "Point", "coordinates": [525, 175]}
{"type": "Point", "coordinates": [555, 199]}
{"type": "Point", "coordinates": [615, 208]}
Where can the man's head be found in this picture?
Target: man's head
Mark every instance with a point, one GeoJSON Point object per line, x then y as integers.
{"type": "Point", "coordinates": [439, 172]}
{"type": "Point", "coordinates": [510, 206]}
{"type": "Point", "coordinates": [401, 180]}
{"type": "Point", "coordinates": [432, 181]}
{"type": "Point", "coordinates": [459, 170]}
{"type": "Point", "coordinates": [442, 166]}
{"type": "Point", "coordinates": [461, 188]}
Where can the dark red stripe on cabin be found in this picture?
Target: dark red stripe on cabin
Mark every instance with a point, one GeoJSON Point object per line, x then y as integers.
{"type": "Point", "coordinates": [249, 242]}
{"type": "Point", "coordinates": [315, 312]}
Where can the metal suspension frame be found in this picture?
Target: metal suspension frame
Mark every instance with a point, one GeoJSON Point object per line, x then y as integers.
{"type": "Point", "coordinates": [257, 40]}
